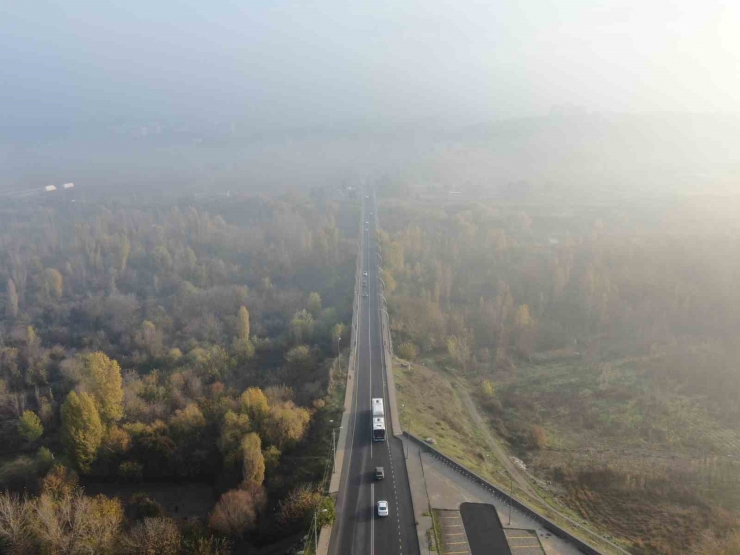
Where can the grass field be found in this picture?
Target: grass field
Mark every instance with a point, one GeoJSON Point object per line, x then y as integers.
{"type": "Point", "coordinates": [423, 390]}
{"type": "Point", "coordinates": [648, 465]}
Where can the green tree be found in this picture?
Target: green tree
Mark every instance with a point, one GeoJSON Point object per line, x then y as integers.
{"type": "Point", "coordinates": [253, 462]}
{"type": "Point", "coordinates": [234, 428]}
{"type": "Point", "coordinates": [272, 458]}
{"type": "Point", "coordinates": [188, 423]}
{"type": "Point", "coordinates": [299, 359]}
{"type": "Point", "coordinates": [102, 379]}
{"type": "Point", "coordinates": [300, 505]}
{"type": "Point", "coordinates": [30, 427]}
{"type": "Point", "coordinates": [314, 304]}
{"type": "Point", "coordinates": [254, 402]}
{"type": "Point", "coordinates": [122, 251]}
{"type": "Point", "coordinates": [150, 338]}
{"type": "Point", "coordinates": [82, 430]}
{"type": "Point", "coordinates": [51, 284]}
{"type": "Point", "coordinates": [285, 425]}
{"type": "Point", "coordinates": [301, 327]}
{"type": "Point", "coordinates": [242, 324]}
{"type": "Point", "coordinates": [407, 350]}
{"type": "Point", "coordinates": [11, 302]}
{"type": "Point", "coordinates": [489, 391]}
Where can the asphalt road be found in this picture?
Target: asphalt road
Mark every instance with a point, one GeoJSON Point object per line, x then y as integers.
{"type": "Point", "coordinates": [358, 529]}
{"type": "Point", "coordinates": [483, 528]}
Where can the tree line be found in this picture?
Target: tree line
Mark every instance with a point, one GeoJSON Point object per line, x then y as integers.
{"type": "Point", "coordinates": [142, 343]}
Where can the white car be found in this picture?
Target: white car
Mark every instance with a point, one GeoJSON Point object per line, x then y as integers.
{"type": "Point", "coordinates": [364, 273]}
{"type": "Point", "coordinates": [382, 508]}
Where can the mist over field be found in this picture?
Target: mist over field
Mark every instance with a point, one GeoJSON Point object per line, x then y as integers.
{"type": "Point", "coordinates": [592, 155]}
{"type": "Point", "coordinates": [287, 94]}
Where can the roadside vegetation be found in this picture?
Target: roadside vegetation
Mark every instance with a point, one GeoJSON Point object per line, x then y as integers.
{"type": "Point", "coordinates": [150, 347]}
{"type": "Point", "coordinates": [598, 342]}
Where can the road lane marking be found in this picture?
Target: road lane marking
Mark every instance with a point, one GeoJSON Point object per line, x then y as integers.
{"type": "Point", "coordinates": [372, 520]}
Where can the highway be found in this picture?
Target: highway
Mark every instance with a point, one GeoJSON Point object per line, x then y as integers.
{"type": "Point", "coordinates": [357, 529]}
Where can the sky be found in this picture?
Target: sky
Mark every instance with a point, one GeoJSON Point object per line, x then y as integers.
{"type": "Point", "coordinates": [308, 62]}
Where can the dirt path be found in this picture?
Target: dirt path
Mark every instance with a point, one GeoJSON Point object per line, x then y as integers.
{"type": "Point", "coordinates": [512, 469]}
{"type": "Point", "coordinates": [493, 445]}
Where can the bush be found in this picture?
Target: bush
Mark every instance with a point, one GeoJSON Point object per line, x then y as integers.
{"type": "Point", "coordinates": [235, 513]}
{"type": "Point", "coordinates": [407, 350]}
{"type": "Point", "coordinates": [197, 541]}
{"type": "Point", "coordinates": [131, 471]}
{"type": "Point", "coordinates": [141, 506]}
{"type": "Point", "coordinates": [30, 427]}
{"type": "Point", "coordinates": [538, 437]}
{"type": "Point", "coordinates": [155, 536]}
{"type": "Point", "coordinates": [59, 482]}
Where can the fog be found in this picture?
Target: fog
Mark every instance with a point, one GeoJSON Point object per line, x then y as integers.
{"type": "Point", "coordinates": [305, 63]}
{"type": "Point", "coordinates": [223, 93]}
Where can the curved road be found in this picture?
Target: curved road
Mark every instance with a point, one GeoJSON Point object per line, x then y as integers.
{"type": "Point", "coordinates": [358, 530]}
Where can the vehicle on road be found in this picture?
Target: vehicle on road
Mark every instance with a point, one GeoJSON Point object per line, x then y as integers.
{"type": "Point", "coordinates": [364, 283]}
{"type": "Point", "coordinates": [382, 508]}
{"type": "Point", "coordinates": [364, 294]}
{"type": "Point", "coordinates": [364, 273]}
{"type": "Point", "coordinates": [377, 405]}
{"type": "Point", "coordinates": [378, 429]}
{"type": "Point", "coordinates": [379, 473]}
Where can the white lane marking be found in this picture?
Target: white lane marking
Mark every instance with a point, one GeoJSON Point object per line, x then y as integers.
{"type": "Point", "coordinates": [370, 360]}
{"type": "Point", "coordinates": [372, 520]}
{"type": "Point", "coordinates": [356, 387]}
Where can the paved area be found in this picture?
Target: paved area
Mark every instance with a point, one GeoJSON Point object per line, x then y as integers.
{"type": "Point", "coordinates": [447, 489]}
{"type": "Point", "coordinates": [452, 530]}
{"type": "Point", "coordinates": [523, 542]}
{"type": "Point", "coordinates": [419, 497]}
{"type": "Point", "coordinates": [483, 527]}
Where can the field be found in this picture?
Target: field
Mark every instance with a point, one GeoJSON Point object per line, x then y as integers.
{"type": "Point", "coordinates": [655, 470]}
{"type": "Point", "coordinates": [421, 391]}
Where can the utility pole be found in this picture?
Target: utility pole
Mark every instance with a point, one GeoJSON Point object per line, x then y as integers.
{"type": "Point", "coordinates": [339, 360]}
{"type": "Point", "coordinates": [333, 452]}
{"type": "Point", "coordinates": [408, 438]}
{"type": "Point", "coordinates": [511, 494]}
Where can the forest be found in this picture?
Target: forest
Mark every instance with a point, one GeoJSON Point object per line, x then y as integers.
{"type": "Point", "coordinates": [181, 346]}
{"type": "Point", "coordinates": [599, 340]}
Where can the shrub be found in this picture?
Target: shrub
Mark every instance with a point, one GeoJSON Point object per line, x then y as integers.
{"type": "Point", "coordinates": [59, 482]}
{"type": "Point", "coordinates": [141, 506]}
{"type": "Point", "coordinates": [131, 470]}
{"type": "Point", "coordinates": [152, 536]}
{"type": "Point", "coordinates": [407, 350]}
{"type": "Point", "coordinates": [30, 427]}
{"type": "Point", "coordinates": [234, 514]}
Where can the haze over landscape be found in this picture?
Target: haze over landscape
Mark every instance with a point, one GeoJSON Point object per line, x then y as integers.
{"type": "Point", "coordinates": [514, 223]}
